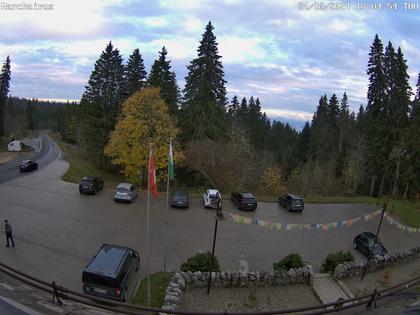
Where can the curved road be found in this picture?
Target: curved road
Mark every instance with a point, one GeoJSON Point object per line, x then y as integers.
{"type": "Point", "coordinates": [46, 152]}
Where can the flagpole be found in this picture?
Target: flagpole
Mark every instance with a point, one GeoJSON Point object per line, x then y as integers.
{"type": "Point", "coordinates": [166, 212]}
{"type": "Point", "coordinates": [148, 232]}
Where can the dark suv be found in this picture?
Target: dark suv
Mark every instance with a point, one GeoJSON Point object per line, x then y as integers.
{"type": "Point", "coordinates": [244, 201]}
{"type": "Point", "coordinates": [292, 202]}
{"type": "Point", "coordinates": [90, 185]}
{"type": "Point", "coordinates": [110, 273]}
{"type": "Point", "coordinates": [364, 243]}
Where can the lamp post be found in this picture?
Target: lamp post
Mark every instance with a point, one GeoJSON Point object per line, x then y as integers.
{"type": "Point", "coordinates": [218, 217]}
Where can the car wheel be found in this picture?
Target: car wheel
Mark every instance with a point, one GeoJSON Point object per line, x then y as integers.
{"type": "Point", "coordinates": [354, 245]}
{"type": "Point", "coordinates": [288, 208]}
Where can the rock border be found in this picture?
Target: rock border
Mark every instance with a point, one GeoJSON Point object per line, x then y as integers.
{"type": "Point", "coordinates": [355, 268]}
{"type": "Point", "coordinates": [235, 279]}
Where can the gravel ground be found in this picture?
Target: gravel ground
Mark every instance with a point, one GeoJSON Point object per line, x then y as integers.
{"type": "Point", "coordinates": [383, 279]}
{"type": "Point", "coordinates": [237, 299]}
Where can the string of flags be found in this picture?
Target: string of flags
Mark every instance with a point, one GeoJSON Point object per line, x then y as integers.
{"type": "Point", "coordinates": [291, 226]}
{"type": "Point", "coordinates": [400, 226]}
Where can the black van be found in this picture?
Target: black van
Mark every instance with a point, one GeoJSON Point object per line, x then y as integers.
{"type": "Point", "coordinates": [110, 271]}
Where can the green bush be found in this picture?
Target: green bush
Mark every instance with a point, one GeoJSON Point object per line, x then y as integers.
{"type": "Point", "coordinates": [335, 259]}
{"type": "Point", "coordinates": [290, 261]}
{"type": "Point", "coordinates": [200, 262]}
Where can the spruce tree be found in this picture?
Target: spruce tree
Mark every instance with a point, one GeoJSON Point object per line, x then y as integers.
{"type": "Point", "coordinates": [4, 91]}
{"type": "Point", "coordinates": [205, 93]}
{"type": "Point", "coordinates": [161, 76]}
{"type": "Point", "coordinates": [134, 73]}
{"type": "Point", "coordinates": [102, 100]}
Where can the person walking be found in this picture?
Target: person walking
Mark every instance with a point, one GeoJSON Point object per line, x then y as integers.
{"type": "Point", "coordinates": [8, 230]}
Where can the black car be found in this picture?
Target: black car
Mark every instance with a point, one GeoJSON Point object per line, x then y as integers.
{"type": "Point", "coordinates": [28, 165]}
{"type": "Point", "coordinates": [292, 202]}
{"type": "Point", "coordinates": [180, 199]}
{"type": "Point", "coordinates": [244, 200]}
{"type": "Point", "coordinates": [364, 242]}
{"type": "Point", "coordinates": [110, 273]}
{"type": "Point", "coordinates": [90, 185]}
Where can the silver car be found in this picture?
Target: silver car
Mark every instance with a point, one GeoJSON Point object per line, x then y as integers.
{"type": "Point", "coordinates": [125, 192]}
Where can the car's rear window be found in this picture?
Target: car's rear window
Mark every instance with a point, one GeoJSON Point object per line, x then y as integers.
{"type": "Point", "coordinates": [250, 200]}
{"type": "Point", "coordinates": [87, 182]}
{"type": "Point", "coordinates": [297, 201]}
{"type": "Point", "coordinates": [101, 280]}
{"type": "Point", "coordinates": [123, 190]}
{"type": "Point", "coordinates": [180, 198]}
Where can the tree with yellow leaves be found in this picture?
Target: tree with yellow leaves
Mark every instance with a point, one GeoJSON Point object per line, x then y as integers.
{"type": "Point", "coordinates": [144, 119]}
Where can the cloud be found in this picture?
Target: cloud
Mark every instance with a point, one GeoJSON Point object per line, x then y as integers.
{"type": "Point", "coordinates": [289, 114]}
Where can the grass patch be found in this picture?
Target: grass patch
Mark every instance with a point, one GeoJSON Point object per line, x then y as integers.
{"type": "Point", "coordinates": [81, 164]}
{"type": "Point", "coordinates": [4, 141]}
{"type": "Point", "coordinates": [407, 211]}
{"type": "Point", "coordinates": [158, 283]}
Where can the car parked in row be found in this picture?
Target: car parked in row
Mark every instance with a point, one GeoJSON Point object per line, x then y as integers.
{"type": "Point", "coordinates": [292, 202]}
{"type": "Point", "coordinates": [364, 243]}
{"type": "Point", "coordinates": [28, 165]}
{"type": "Point", "coordinates": [180, 199]}
{"type": "Point", "coordinates": [110, 273]}
{"type": "Point", "coordinates": [90, 185]}
{"type": "Point", "coordinates": [125, 192]}
{"type": "Point", "coordinates": [244, 200]}
{"type": "Point", "coordinates": [211, 198]}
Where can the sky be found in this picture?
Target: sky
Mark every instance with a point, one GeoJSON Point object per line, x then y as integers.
{"type": "Point", "coordinates": [287, 53]}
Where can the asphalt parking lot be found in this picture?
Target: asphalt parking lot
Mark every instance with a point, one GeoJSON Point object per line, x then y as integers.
{"type": "Point", "coordinates": [57, 230]}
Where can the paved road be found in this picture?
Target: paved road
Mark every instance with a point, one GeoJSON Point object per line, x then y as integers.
{"type": "Point", "coordinates": [45, 152]}
{"type": "Point", "coordinates": [57, 230]}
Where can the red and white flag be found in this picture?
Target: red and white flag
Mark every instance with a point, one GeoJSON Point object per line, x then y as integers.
{"type": "Point", "coordinates": [152, 173]}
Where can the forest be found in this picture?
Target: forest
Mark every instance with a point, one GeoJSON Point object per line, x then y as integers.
{"type": "Point", "coordinates": [231, 144]}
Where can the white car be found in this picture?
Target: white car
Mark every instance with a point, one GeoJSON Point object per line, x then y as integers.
{"type": "Point", "coordinates": [210, 198]}
{"type": "Point", "coordinates": [125, 192]}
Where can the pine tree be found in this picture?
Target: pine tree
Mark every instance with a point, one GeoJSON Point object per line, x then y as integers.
{"type": "Point", "coordinates": [102, 100]}
{"type": "Point", "coordinates": [4, 91]}
{"type": "Point", "coordinates": [233, 110]}
{"type": "Point", "coordinates": [320, 130]}
{"type": "Point", "coordinates": [134, 73]}
{"type": "Point", "coordinates": [30, 109]}
{"type": "Point", "coordinates": [161, 76]}
{"type": "Point", "coordinates": [205, 93]}
{"type": "Point", "coordinates": [412, 172]}
{"type": "Point", "coordinates": [304, 143]}
{"type": "Point", "coordinates": [375, 110]}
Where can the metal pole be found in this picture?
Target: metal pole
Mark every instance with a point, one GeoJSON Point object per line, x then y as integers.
{"type": "Point", "coordinates": [148, 231]}
{"type": "Point", "coordinates": [212, 255]}
{"type": "Point", "coordinates": [374, 242]}
{"type": "Point", "coordinates": [166, 216]}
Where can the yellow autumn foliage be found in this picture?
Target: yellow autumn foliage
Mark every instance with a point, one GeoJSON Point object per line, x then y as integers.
{"type": "Point", "coordinates": [144, 119]}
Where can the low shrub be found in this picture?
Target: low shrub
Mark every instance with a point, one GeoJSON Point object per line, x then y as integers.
{"type": "Point", "coordinates": [290, 261]}
{"type": "Point", "coordinates": [335, 259]}
{"type": "Point", "coordinates": [200, 262]}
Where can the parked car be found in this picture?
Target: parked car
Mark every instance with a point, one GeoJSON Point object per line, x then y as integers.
{"type": "Point", "coordinates": [110, 273]}
{"type": "Point", "coordinates": [244, 201]}
{"type": "Point", "coordinates": [292, 202]}
{"type": "Point", "coordinates": [90, 185]}
{"type": "Point", "coordinates": [125, 192]}
{"type": "Point", "coordinates": [28, 165]}
{"type": "Point", "coordinates": [210, 198]}
{"type": "Point", "coordinates": [364, 243]}
{"type": "Point", "coordinates": [180, 199]}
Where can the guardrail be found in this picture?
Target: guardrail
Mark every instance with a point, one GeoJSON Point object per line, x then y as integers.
{"type": "Point", "coordinates": [125, 308]}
